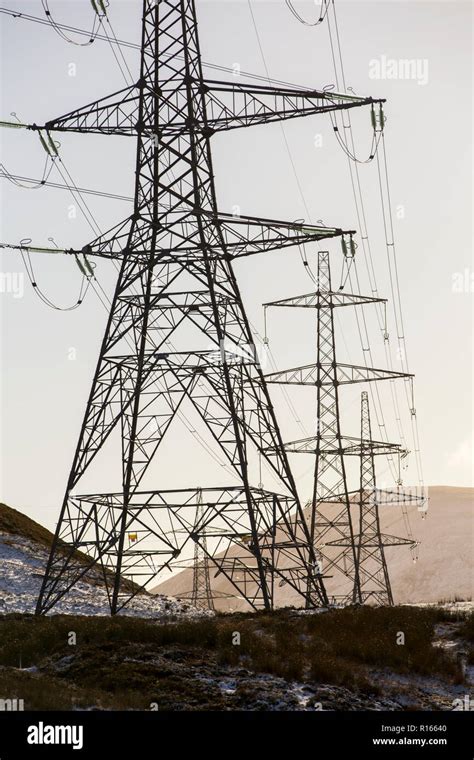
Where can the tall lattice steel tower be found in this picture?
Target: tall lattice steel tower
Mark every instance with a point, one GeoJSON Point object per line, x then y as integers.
{"type": "Point", "coordinates": [342, 521]}
{"type": "Point", "coordinates": [177, 331]}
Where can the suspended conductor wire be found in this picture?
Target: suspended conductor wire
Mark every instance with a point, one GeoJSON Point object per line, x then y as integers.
{"type": "Point", "coordinates": [353, 166]}
{"type": "Point", "coordinates": [382, 119]}
{"type": "Point", "coordinates": [120, 65]}
{"type": "Point", "coordinates": [341, 61]}
{"type": "Point", "coordinates": [322, 13]}
{"type": "Point", "coordinates": [302, 250]}
{"type": "Point", "coordinates": [379, 308]}
{"type": "Point", "coordinates": [351, 155]}
{"type": "Point", "coordinates": [342, 83]}
{"type": "Point", "coordinates": [29, 183]}
{"type": "Point", "coordinates": [302, 253]}
{"type": "Point", "coordinates": [264, 341]}
{"type": "Point", "coordinates": [346, 264]}
{"type": "Point", "coordinates": [84, 287]}
{"type": "Point", "coordinates": [34, 184]}
{"type": "Point", "coordinates": [396, 297]}
{"type": "Point", "coordinates": [58, 28]}
{"type": "Point", "coordinates": [377, 405]}
{"type": "Point", "coordinates": [374, 389]}
{"type": "Point", "coordinates": [117, 52]}
{"type": "Point", "coordinates": [393, 386]}
{"type": "Point", "coordinates": [401, 432]}
{"type": "Point", "coordinates": [298, 184]}
{"type": "Point", "coordinates": [301, 247]}
{"type": "Point", "coordinates": [370, 268]}
{"type": "Point", "coordinates": [119, 47]}
{"type": "Point", "coordinates": [388, 229]}
{"type": "Point", "coordinates": [376, 135]}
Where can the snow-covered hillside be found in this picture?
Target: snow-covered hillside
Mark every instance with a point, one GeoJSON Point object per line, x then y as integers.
{"type": "Point", "coordinates": [444, 570]}
{"type": "Point", "coordinates": [22, 563]}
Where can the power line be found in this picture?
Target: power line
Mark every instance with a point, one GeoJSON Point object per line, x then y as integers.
{"type": "Point", "coordinates": [387, 219]}
{"type": "Point", "coordinates": [135, 46]}
{"type": "Point", "coordinates": [359, 204]}
{"type": "Point", "coordinates": [58, 28]}
{"type": "Point", "coordinates": [26, 257]}
{"type": "Point", "coordinates": [322, 13]}
{"type": "Point", "coordinates": [295, 173]}
{"type": "Point", "coordinates": [18, 180]}
{"type": "Point", "coordinates": [35, 184]}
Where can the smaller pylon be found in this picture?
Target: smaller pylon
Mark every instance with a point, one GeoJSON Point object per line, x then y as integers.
{"type": "Point", "coordinates": [374, 579]}
{"type": "Point", "coordinates": [343, 523]}
{"type": "Point", "coordinates": [332, 520]}
{"type": "Point", "coordinates": [201, 596]}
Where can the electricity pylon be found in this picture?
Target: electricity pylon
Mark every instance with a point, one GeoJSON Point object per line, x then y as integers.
{"type": "Point", "coordinates": [341, 545]}
{"type": "Point", "coordinates": [370, 542]}
{"type": "Point", "coordinates": [177, 285]}
{"type": "Point", "coordinates": [201, 596]}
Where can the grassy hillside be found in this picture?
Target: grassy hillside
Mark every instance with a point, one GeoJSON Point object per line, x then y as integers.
{"type": "Point", "coordinates": [16, 523]}
{"type": "Point", "coordinates": [345, 659]}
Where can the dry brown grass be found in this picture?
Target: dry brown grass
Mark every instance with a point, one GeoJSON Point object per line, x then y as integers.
{"type": "Point", "coordinates": [126, 662]}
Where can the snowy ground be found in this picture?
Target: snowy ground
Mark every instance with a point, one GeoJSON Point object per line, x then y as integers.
{"type": "Point", "coordinates": [22, 564]}
{"type": "Point", "coordinates": [462, 607]}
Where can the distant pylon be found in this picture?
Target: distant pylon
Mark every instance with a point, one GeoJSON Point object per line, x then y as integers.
{"type": "Point", "coordinates": [371, 561]}
{"type": "Point", "coordinates": [201, 596]}
{"type": "Point", "coordinates": [335, 527]}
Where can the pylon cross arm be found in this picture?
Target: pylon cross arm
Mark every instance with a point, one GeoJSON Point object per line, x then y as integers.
{"type": "Point", "coordinates": [114, 114]}
{"type": "Point", "coordinates": [231, 105]}
{"type": "Point", "coordinates": [319, 300]}
{"type": "Point", "coordinates": [246, 235]}
{"type": "Point", "coordinates": [345, 373]}
{"type": "Point", "coordinates": [348, 445]}
{"type": "Point", "coordinates": [228, 106]}
{"type": "Point", "coordinates": [239, 236]}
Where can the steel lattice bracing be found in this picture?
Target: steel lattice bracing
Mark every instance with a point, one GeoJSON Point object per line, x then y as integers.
{"type": "Point", "coordinates": [176, 281]}
{"type": "Point", "coordinates": [330, 477]}
{"type": "Point", "coordinates": [201, 596]}
{"type": "Point", "coordinates": [370, 543]}
{"type": "Point", "coordinates": [342, 522]}
{"type": "Point", "coordinates": [374, 581]}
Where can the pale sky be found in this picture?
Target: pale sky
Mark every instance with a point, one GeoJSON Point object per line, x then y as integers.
{"type": "Point", "coordinates": [48, 357]}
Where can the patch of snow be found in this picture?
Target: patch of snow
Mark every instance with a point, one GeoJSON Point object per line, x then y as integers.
{"type": "Point", "coordinates": [302, 693]}
{"type": "Point", "coordinates": [22, 564]}
{"type": "Point", "coordinates": [464, 608]}
{"type": "Point", "coordinates": [228, 686]}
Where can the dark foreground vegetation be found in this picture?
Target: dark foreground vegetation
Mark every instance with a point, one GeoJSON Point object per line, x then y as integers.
{"type": "Point", "coordinates": [67, 662]}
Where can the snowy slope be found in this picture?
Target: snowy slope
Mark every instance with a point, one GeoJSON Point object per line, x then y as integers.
{"type": "Point", "coordinates": [444, 570]}
{"type": "Point", "coordinates": [22, 563]}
